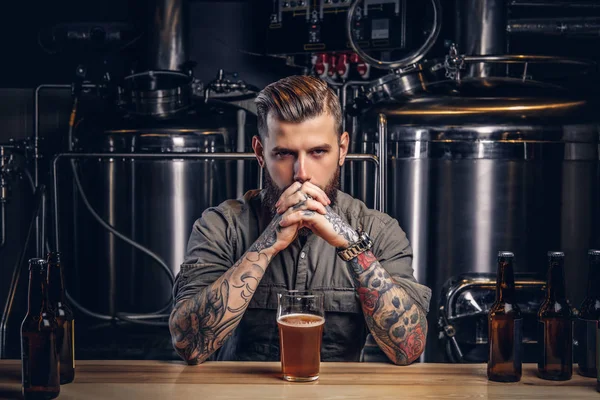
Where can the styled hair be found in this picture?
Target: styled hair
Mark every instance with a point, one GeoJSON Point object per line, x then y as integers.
{"type": "Point", "coordinates": [296, 99]}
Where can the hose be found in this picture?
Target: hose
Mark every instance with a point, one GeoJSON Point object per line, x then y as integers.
{"type": "Point", "coordinates": [108, 227]}
{"type": "Point", "coordinates": [450, 353]}
{"type": "Point", "coordinates": [125, 317]}
{"type": "Point", "coordinates": [131, 318]}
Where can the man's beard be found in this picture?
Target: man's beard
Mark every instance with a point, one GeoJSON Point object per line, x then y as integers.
{"type": "Point", "coordinates": [272, 193]}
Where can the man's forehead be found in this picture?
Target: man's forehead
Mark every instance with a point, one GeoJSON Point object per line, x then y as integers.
{"type": "Point", "coordinates": [322, 125]}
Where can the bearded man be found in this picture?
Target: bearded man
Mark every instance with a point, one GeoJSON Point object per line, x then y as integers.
{"type": "Point", "coordinates": [298, 233]}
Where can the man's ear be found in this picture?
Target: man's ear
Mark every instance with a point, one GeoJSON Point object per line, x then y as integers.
{"type": "Point", "coordinates": [258, 148]}
{"type": "Point", "coordinates": [344, 144]}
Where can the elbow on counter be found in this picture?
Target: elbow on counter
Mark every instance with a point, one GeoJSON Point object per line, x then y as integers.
{"type": "Point", "coordinates": [185, 335]}
{"type": "Point", "coordinates": [413, 345]}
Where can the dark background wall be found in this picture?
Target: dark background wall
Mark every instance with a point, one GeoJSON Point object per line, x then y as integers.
{"type": "Point", "coordinates": [222, 35]}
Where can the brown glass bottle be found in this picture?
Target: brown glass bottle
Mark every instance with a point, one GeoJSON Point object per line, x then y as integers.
{"type": "Point", "coordinates": [587, 321]}
{"type": "Point", "coordinates": [555, 321]}
{"type": "Point", "coordinates": [505, 326]}
{"type": "Point", "coordinates": [39, 358]}
{"type": "Point", "coordinates": [65, 335]}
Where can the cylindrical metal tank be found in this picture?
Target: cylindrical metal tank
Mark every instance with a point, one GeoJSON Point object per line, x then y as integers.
{"type": "Point", "coordinates": [153, 201]}
{"type": "Point", "coordinates": [483, 165]}
{"type": "Point", "coordinates": [480, 30]}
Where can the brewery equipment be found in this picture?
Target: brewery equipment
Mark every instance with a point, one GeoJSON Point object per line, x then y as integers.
{"type": "Point", "coordinates": [153, 201]}
{"type": "Point", "coordinates": [479, 163]}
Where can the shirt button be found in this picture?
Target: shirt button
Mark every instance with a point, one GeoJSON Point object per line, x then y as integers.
{"type": "Point", "coordinates": [302, 255]}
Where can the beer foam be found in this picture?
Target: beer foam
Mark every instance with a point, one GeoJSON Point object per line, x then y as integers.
{"type": "Point", "coordinates": [313, 320]}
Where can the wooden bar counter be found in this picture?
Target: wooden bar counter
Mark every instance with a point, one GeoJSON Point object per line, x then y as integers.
{"type": "Point", "coordinates": [133, 380]}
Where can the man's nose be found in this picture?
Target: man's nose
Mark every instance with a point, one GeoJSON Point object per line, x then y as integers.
{"type": "Point", "coordinates": [300, 172]}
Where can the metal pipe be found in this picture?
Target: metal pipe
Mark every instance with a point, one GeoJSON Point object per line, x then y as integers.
{"type": "Point", "coordinates": [42, 224]}
{"type": "Point", "coordinates": [2, 224]}
{"type": "Point", "coordinates": [3, 195]}
{"type": "Point", "coordinates": [198, 156]}
{"type": "Point", "coordinates": [14, 283]}
{"type": "Point", "coordinates": [519, 59]}
{"type": "Point", "coordinates": [240, 148]}
{"type": "Point", "coordinates": [403, 25]}
{"type": "Point", "coordinates": [554, 4]}
{"type": "Point", "coordinates": [167, 35]}
{"type": "Point", "coordinates": [345, 98]}
{"type": "Point", "coordinates": [555, 26]}
{"type": "Point", "coordinates": [382, 132]}
{"type": "Point", "coordinates": [481, 30]}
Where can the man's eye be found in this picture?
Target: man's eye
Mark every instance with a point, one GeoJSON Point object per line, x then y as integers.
{"type": "Point", "coordinates": [319, 152]}
{"type": "Point", "coordinates": [281, 154]}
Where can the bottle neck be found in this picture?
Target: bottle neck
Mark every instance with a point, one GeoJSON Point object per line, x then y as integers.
{"type": "Point", "coordinates": [593, 290]}
{"type": "Point", "coordinates": [556, 280]}
{"type": "Point", "coordinates": [56, 289]}
{"type": "Point", "coordinates": [37, 292]}
{"type": "Point", "coordinates": [505, 282]}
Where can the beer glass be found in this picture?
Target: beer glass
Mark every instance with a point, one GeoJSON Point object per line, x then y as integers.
{"type": "Point", "coordinates": [300, 319]}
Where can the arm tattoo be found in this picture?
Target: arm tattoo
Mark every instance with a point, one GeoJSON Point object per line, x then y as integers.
{"type": "Point", "coordinates": [201, 324]}
{"type": "Point", "coordinates": [196, 333]}
{"type": "Point", "coordinates": [268, 237]}
{"type": "Point", "coordinates": [339, 226]}
{"type": "Point", "coordinates": [397, 323]}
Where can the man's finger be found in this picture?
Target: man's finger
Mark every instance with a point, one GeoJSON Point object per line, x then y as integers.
{"type": "Point", "coordinates": [301, 204]}
{"type": "Point", "coordinates": [294, 187]}
{"type": "Point", "coordinates": [315, 192]}
{"type": "Point", "coordinates": [297, 217]}
{"type": "Point", "coordinates": [292, 201]}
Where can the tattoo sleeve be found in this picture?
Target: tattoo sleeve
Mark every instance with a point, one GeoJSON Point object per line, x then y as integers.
{"type": "Point", "coordinates": [201, 324]}
{"type": "Point", "coordinates": [340, 227]}
{"type": "Point", "coordinates": [397, 323]}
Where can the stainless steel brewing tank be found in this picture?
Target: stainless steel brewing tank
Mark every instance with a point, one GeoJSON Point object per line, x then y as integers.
{"type": "Point", "coordinates": [154, 202]}
{"type": "Point", "coordinates": [491, 164]}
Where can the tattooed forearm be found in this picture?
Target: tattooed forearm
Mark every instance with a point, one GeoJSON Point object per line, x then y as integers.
{"type": "Point", "coordinates": [268, 237]}
{"type": "Point", "coordinates": [201, 324]}
{"type": "Point", "coordinates": [397, 323]}
{"type": "Point", "coordinates": [340, 227]}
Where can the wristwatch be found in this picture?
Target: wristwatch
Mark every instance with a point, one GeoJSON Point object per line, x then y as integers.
{"type": "Point", "coordinates": [363, 244]}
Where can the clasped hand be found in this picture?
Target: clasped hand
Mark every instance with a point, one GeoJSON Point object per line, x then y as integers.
{"type": "Point", "coordinates": [307, 205]}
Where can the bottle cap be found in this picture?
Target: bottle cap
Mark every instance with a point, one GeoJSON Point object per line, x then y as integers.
{"type": "Point", "coordinates": [506, 254]}
{"type": "Point", "coordinates": [593, 252]}
{"type": "Point", "coordinates": [556, 254]}
{"type": "Point", "coordinates": [37, 263]}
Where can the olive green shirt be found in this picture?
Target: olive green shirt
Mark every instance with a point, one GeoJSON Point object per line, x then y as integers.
{"type": "Point", "coordinates": [224, 233]}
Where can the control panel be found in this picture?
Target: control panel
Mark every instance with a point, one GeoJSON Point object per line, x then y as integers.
{"type": "Point", "coordinates": [309, 26]}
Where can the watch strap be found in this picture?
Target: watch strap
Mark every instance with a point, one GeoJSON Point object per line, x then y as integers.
{"type": "Point", "coordinates": [364, 243]}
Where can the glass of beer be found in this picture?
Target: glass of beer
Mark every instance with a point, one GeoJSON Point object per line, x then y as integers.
{"type": "Point", "coordinates": [300, 318]}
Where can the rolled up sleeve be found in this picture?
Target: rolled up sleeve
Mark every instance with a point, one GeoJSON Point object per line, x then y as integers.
{"type": "Point", "coordinates": [394, 253]}
{"type": "Point", "coordinates": [209, 254]}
